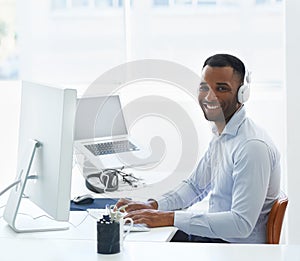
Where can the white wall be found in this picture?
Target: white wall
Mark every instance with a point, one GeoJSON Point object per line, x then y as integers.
{"type": "Point", "coordinates": [68, 47]}
{"type": "Point", "coordinates": [9, 129]}
{"type": "Point", "coordinates": [293, 125]}
{"type": "Point", "coordinates": [77, 46]}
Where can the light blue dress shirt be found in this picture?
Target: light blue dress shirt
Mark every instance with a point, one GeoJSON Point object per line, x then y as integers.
{"type": "Point", "coordinates": [241, 171]}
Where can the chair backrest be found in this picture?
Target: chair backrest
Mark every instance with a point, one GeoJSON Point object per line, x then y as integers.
{"type": "Point", "coordinates": [275, 219]}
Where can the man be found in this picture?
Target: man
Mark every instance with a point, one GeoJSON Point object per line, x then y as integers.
{"type": "Point", "coordinates": [240, 170]}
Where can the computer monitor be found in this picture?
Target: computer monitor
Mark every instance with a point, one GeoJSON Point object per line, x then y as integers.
{"type": "Point", "coordinates": [45, 156]}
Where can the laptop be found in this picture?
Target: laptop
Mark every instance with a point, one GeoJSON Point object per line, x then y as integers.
{"type": "Point", "coordinates": [101, 135]}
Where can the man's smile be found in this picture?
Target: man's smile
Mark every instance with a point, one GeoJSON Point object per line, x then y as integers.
{"type": "Point", "coordinates": [210, 106]}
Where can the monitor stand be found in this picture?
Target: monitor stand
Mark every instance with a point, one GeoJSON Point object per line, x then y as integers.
{"type": "Point", "coordinates": [22, 222]}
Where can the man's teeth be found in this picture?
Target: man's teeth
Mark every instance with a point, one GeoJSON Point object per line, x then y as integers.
{"type": "Point", "coordinates": [212, 107]}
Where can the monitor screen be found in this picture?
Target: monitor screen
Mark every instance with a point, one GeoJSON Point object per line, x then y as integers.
{"type": "Point", "coordinates": [45, 154]}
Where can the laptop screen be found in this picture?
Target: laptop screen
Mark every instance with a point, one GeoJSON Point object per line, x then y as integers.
{"type": "Point", "coordinates": [98, 117]}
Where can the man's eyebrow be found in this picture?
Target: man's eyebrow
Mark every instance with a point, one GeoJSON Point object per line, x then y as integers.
{"type": "Point", "coordinates": [203, 83]}
{"type": "Point", "coordinates": [222, 83]}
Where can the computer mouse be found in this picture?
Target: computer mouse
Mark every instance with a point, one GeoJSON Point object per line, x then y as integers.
{"type": "Point", "coordinates": [84, 199]}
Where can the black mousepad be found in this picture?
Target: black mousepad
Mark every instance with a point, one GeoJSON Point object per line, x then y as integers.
{"type": "Point", "coordinates": [97, 203]}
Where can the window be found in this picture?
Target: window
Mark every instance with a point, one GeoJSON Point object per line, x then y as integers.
{"type": "Point", "coordinates": [75, 4]}
{"type": "Point", "coordinates": [72, 34]}
{"type": "Point", "coordinates": [9, 57]}
{"type": "Point", "coordinates": [160, 2]}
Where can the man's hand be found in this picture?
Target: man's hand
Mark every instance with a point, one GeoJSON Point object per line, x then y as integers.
{"type": "Point", "coordinates": [136, 205]}
{"type": "Point", "coordinates": [152, 218]}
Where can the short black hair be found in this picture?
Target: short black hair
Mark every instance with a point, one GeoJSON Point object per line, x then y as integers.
{"type": "Point", "coordinates": [223, 60]}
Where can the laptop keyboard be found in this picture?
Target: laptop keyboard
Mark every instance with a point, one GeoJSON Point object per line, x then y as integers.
{"type": "Point", "coordinates": [111, 147]}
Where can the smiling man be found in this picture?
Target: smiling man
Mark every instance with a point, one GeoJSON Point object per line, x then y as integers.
{"type": "Point", "coordinates": [218, 94]}
{"type": "Point", "coordinates": [240, 170]}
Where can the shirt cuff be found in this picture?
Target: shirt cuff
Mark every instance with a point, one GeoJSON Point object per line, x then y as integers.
{"type": "Point", "coordinates": [162, 204]}
{"type": "Point", "coordinates": [182, 220]}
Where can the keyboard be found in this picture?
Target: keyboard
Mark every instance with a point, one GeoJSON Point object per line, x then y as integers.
{"type": "Point", "coordinates": [111, 147]}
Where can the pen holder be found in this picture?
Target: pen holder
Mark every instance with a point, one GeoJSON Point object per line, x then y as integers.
{"type": "Point", "coordinates": [108, 237]}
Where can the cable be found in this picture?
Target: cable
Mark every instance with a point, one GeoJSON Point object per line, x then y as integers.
{"type": "Point", "coordinates": [10, 186]}
{"type": "Point", "coordinates": [51, 218]}
{"type": "Point", "coordinates": [16, 183]}
{"type": "Point", "coordinates": [75, 226]}
{"type": "Point", "coordinates": [1, 208]}
{"type": "Point", "coordinates": [126, 178]}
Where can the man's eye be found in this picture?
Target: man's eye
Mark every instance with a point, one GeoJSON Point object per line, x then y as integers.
{"type": "Point", "coordinates": [222, 88]}
{"type": "Point", "coordinates": [203, 88]}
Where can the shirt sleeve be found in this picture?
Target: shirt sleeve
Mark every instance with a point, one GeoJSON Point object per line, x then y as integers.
{"type": "Point", "coordinates": [190, 191]}
{"type": "Point", "coordinates": [252, 167]}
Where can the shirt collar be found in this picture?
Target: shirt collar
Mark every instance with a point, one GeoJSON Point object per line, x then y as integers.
{"type": "Point", "coordinates": [234, 123]}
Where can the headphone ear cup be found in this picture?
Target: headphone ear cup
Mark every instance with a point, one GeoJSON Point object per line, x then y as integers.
{"type": "Point", "coordinates": [110, 180]}
{"type": "Point", "coordinates": [243, 93]}
{"type": "Point", "coordinates": [115, 181]}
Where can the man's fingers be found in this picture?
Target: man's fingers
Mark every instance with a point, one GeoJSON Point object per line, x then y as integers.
{"type": "Point", "coordinates": [132, 205]}
{"type": "Point", "coordinates": [138, 218]}
{"type": "Point", "coordinates": [121, 202]}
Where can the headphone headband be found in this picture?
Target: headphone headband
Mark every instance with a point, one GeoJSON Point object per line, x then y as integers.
{"type": "Point", "coordinates": [248, 77]}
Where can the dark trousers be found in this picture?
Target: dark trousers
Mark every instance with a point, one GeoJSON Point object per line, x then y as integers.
{"type": "Point", "coordinates": [180, 236]}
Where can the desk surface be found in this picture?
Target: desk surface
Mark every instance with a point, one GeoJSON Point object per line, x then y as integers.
{"type": "Point", "coordinates": [83, 227]}
{"type": "Point", "coordinates": [79, 243]}
{"type": "Point", "coordinates": [59, 249]}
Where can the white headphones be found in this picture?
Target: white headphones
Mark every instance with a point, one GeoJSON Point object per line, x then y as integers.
{"type": "Point", "coordinates": [104, 181]}
{"type": "Point", "coordinates": [244, 90]}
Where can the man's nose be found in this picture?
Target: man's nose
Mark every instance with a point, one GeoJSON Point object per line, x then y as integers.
{"type": "Point", "coordinates": [210, 96]}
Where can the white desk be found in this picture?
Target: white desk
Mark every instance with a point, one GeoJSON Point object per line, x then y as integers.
{"type": "Point", "coordinates": [79, 243]}
{"type": "Point", "coordinates": [59, 249]}
{"type": "Point", "coordinates": [84, 228]}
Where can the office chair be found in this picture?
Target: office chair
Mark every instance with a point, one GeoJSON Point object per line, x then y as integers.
{"type": "Point", "coordinates": [275, 219]}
